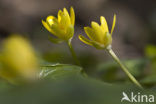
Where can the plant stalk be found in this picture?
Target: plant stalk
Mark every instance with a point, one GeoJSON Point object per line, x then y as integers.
{"type": "Point", "coordinates": [132, 78]}
{"type": "Point", "coordinates": [73, 53]}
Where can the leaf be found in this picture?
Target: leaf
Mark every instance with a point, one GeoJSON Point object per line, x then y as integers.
{"type": "Point", "coordinates": [59, 71]}
{"type": "Point", "coordinates": [110, 71]}
{"type": "Point", "coordinates": [5, 86]}
{"type": "Point", "coordinates": [149, 80]}
{"type": "Point", "coordinates": [70, 91]}
{"type": "Point", "coordinates": [136, 66]}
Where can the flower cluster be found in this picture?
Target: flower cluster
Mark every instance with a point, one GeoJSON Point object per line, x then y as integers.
{"type": "Point", "coordinates": [63, 28]}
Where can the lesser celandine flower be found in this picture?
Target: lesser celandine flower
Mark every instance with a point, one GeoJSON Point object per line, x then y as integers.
{"type": "Point", "coordinates": [101, 38]}
{"type": "Point", "coordinates": [99, 35]}
{"type": "Point", "coordinates": [62, 26]}
{"type": "Point", "coordinates": [18, 59]}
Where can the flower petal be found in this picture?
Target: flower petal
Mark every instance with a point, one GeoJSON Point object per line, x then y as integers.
{"type": "Point", "coordinates": [66, 13]}
{"type": "Point", "coordinates": [47, 26]}
{"type": "Point", "coordinates": [59, 15]}
{"type": "Point", "coordinates": [58, 32]}
{"type": "Point", "coordinates": [85, 40]}
{"type": "Point", "coordinates": [113, 25]}
{"type": "Point", "coordinates": [51, 20]}
{"type": "Point", "coordinates": [98, 32]}
{"type": "Point", "coordinates": [72, 16]}
{"type": "Point", "coordinates": [64, 19]}
{"type": "Point", "coordinates": [90, 33]}
{"type": "Point", "coordinates": [104, 24]}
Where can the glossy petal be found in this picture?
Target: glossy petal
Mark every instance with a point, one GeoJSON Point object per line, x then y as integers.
{"type": "Point", "coordinates": [58, 32]}
{"type": "Point", "coordinates": [64, 22]}
{"type": "Point", "coordinates": [98, 31]}
{"type": "Point", "coordinates": [85, 40]}
{"type": "Point", "coordinates": [104, 24]}
{"type": "Point", "coordinates": [66, 14]}
{"type": "Point", "coordinates": [47, 26]}
{"type": "Point", "coordinates": [90, 33]}
{"type": "Point", "coordinates": [72, 16]}
{"type": "Point", "coordinates": [51, 20]}
{"type": "Point", "coordinates": [60, 13]}
{"type": "Point", "coordinates": [113, 25]}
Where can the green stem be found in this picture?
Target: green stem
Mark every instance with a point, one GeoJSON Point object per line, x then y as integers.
{"type": "Point", "coordinates": [73, 53]}
{"type": "Point", "coordinates": [124, 68]}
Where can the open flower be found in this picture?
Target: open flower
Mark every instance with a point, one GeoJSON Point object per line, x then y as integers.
{"type": "Point", "coordinates": [62, 26]}
{"type": "Point", "coordinates": [99, 35]}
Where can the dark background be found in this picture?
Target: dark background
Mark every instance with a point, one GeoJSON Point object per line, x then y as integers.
{"type": "Point", "coordinates": [135, 27]}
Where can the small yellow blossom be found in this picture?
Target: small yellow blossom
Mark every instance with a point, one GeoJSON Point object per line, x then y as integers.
{"type": "Point", "coordinates": [18, 60]}
{"type": "Point", "coordinates": [99, 35]}
{"type": "Point", "coordinates": [62, 26]}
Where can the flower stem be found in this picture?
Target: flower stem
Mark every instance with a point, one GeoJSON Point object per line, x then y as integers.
{"type": "Point", "coordinates": [132, 78]}
{"type": "Point", "coordinates": [73, 53]}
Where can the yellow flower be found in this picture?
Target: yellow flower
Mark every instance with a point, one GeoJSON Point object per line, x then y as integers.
{"type": "Point", "coordinates": [62, 26]}
{"type": "Point", "coordinates": [99, 35]}
{"type": "Point", "coordinates": [18, 60]}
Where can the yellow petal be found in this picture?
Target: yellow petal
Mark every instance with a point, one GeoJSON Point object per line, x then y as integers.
{"type": "Point", "coordinates": [54, 29]}
{"type": "Point", "coordinates": [59, 15]}
{"type": "Point", "coordinates": [51, 20]}
{"type": "Point", "coordinates": [85, 40]}
{"type": "Point", "coordinates": [104, 24]}
{"type": "Point", "coordinates": [90, 33]}
{"type": "Point", "coordinates": [58, 32]}
{"type": "Point", "coordinates": [98, 32]}
{"type": "Point", "coordinates": [66, 13]}
{"type": "Point", "coordinates": [72, 16]}
{"type": "Point", "coordinates": [47, 26]}
{"type": "Point", "coordinates": [64, 19]}
{"type": "Point", "coordinates": [113, 25]}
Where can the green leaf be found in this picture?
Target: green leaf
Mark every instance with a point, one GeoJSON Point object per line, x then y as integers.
{"type": "Point", "coordinates": [57, 71]}
{"type": "Point", "coordinates": [5, 86]}
{"type": "Point", "coordinates": [108, 71]}
{"type": "Point", "coordinates": [111, 71]}
{"type": "Point", "coordinates": [136, 66]}
{"type": "Point", "coordinates": [71, 91]}
{"type": "Point", "coordinates": [149, 80]}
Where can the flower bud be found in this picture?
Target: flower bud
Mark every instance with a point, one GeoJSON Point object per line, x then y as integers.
{"type": "Point", "coordinates": [18, 59]}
